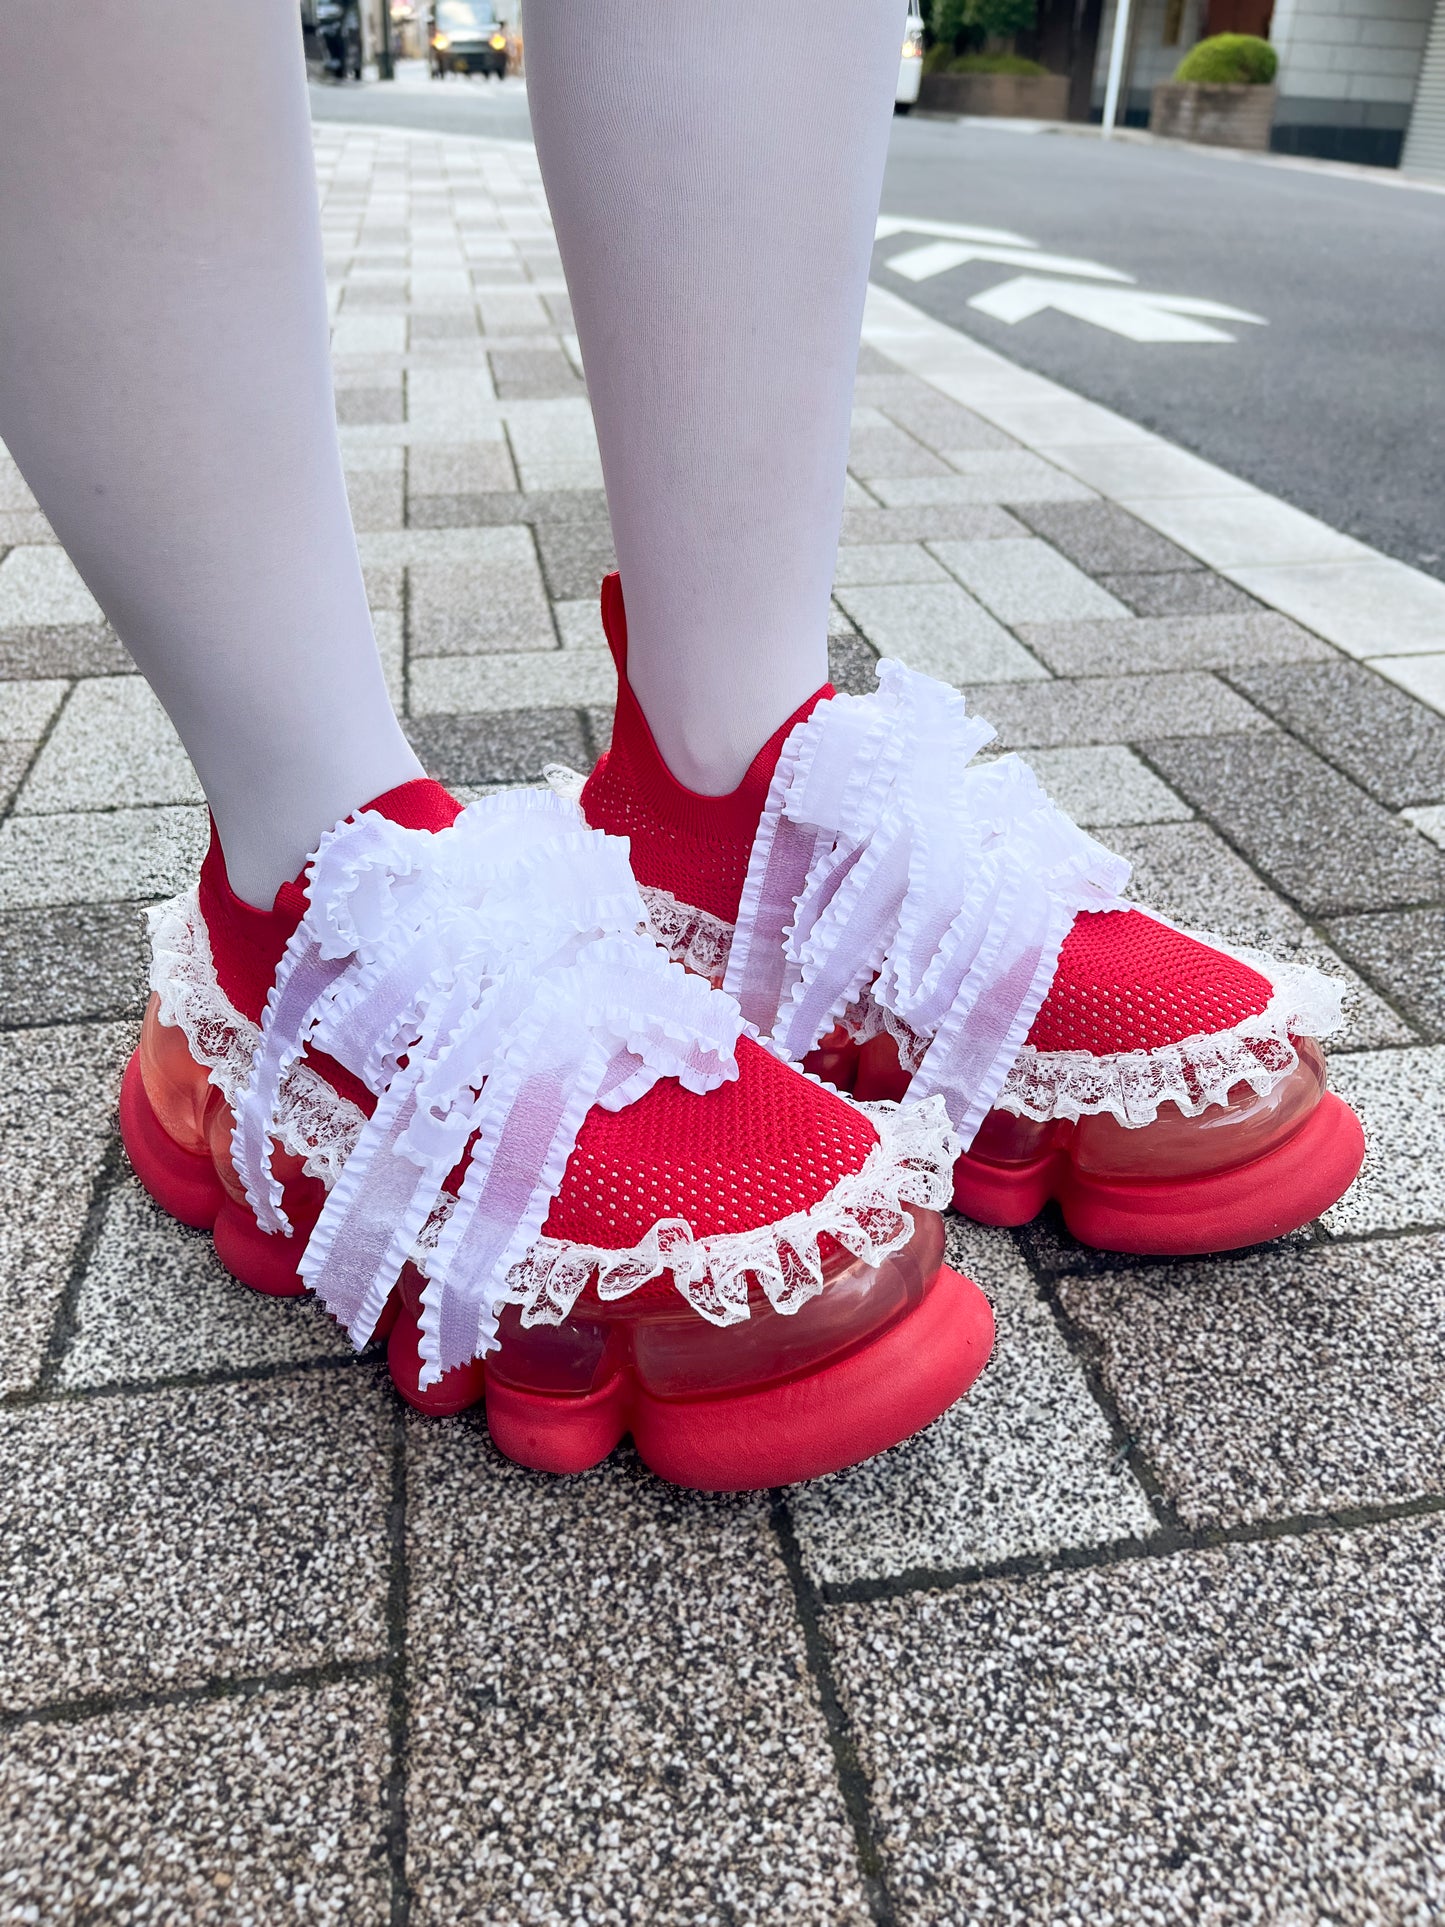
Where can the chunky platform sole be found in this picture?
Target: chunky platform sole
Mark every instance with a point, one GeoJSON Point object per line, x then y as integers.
{"type": "Point", "coordinates": [1265, 1198]}
{"type": "Point", "coordinates": [1254, 1170]}
{"type": "Point", "coordinates": [851, 1406]}
{"type": "Point", "coordinates": [819, 1422]}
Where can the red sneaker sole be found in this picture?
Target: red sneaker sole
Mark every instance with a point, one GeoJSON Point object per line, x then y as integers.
{"type": "Point", "coordinates": [185, 1185]}
{"type": "Point", "coordinates": [1179, 1217]}
{"type": "Point", "coordinates": [800, 1429]}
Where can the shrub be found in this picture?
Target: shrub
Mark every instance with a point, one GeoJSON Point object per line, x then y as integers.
{"type": "Point", "coordinates": [1229, 60]}
{"type": "Point", "coordinates": [938, 59]}
{"type": "Point", "coordinates": [995, 64]}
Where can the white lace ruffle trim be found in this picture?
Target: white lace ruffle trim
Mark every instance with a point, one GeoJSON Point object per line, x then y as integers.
{"type": "Point", "coordinates": [1195, 1073]}
{"type": "Point", "coordinates": [911, 1164]}
{"type": "Point", "coordinates": [314, 1122]}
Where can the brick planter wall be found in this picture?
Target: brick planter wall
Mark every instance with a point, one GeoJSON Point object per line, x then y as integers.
{"type": "Point", "coordinates": [1217, 116]}
{"type": "Point", "coordinates": [1020, 96]}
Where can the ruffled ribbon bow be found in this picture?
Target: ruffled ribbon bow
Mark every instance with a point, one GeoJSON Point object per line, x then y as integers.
{"type": "Point", "coordinates": [489, 984]}
{"type": "Point", "coordinates": [889, 867]}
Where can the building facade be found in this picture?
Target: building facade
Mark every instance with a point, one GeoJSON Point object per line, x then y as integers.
{"type": "Point", "coordinates": [1359, 80]}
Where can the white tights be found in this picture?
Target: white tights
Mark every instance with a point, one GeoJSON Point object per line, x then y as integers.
{"type": "Point", "coordinates": [165, 389]}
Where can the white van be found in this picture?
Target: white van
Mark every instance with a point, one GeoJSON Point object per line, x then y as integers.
{"type": "Point", "coordinates": [910, 68]}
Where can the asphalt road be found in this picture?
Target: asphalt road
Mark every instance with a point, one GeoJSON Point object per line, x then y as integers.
{"type": "Point", "coordinates": [1336, 405]}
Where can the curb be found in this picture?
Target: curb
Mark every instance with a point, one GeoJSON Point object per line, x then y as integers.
{"type": "Point", "coordinates": [1367, 605]}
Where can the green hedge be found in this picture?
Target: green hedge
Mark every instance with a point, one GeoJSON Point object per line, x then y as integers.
{"type": "Point", "coordinates": [995, 64]}
{"type": "Point", "coordinates": [1229, 60]}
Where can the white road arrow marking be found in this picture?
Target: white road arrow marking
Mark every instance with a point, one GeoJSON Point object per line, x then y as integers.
{"type": "Point", "coordinates": [937, 257]}
{"type": "Point", "coordinates": [1132, 312]}
{"type": "Point", "coordinates": [891, 224]}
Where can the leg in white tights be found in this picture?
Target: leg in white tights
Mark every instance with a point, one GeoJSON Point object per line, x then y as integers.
{"type": "Point", "coordinates": [714, 176]}
{"type": "Point", "coordinates": [166, 392]}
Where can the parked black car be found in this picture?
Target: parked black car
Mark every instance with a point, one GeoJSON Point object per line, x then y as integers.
{"type": "Point", "coordinates": [466, 38]}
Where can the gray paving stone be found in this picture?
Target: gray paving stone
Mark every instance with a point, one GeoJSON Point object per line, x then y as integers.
{"type": "Point", "coordinates": [61, 649]}
{"type": "Point", "coordinates": [1403, 952]}
{"type": "Point", "coordinates": [983, 475]}
{"type": "Point", "coordinates": [512, 747]}
{"type": "Point", "coordinates": [40, 586]}
{"type": "Point", "coordinates": [589, 1749]}
{"type": "Point", "coordinates": [1391, 745]}
{"type": "Point", "coordinates": [377, 500]}
{"type": "Point", "coordinates": [869, 523]}
{"type": "Point", "coordinates": [74, 964]}
{"type": "Point", "coordinates": [1183, 592]}
{"type": "Point", "coordinates": [886, 450]}
{"type": "Point", "coordinates": [113, 746]}
{"type": "Point", "coordinates": [14, 762]}
{"type": "Point", "coordinates": [458, 609]}
{"type": "Point", "coordinates": [1308, 829]}
{"type": "Point", "coordinates": [1189, 874]}
{"type": "Point", "coordinates": [452, 325]}
{"type": "Point", "coordinates": [579, 623]}
{"type": "Point", "coordinates": [1019, 1468]}
{"type": "Point", "coordinates": [1104, 785]}
{"type": "Point", "coordinates": [267, 1807]}
{"type": "Point", "coordinates": [358, 407]}
{"type": "Point", "coordinates": [27, 708]}
{"type": "Point", "coordinates": [575, 557]}
{"type": "Point", "coordinates": [852, 665]}
{"type": "Point", "coordinates": [99, 856]}
{"type": "Point", "coordinates": [1140, 644]}
{"type": "Point", "coordinates": [262, 1506]}
{"type": "Point", "coordinates": [887, 562]}
{"type": "Point", "coordinates": [1397, 1095]}
{"type": "Point", "coordinates": [57, 1095]}
{"type": "Point", "coordinates": [19, 526]}
{"type": "Point", "coordinates": [934, 419]}
{"type": "Point", "coordinates": [508, 681]}
{"type": "Point", "coordinates": [1240, 1735]}
{"type": "Point", "coordinates": [938, 628]}
{"type": "Point", "coordinates": [533, 374]}
{"type": "Point", "coordinates": [460, 468]}
{"type": "Point", "coordinates": [155, 1302]}
{"type": "Point", "coordinates": [1025, 581]}
{"type": "Point", "coordinates": [1289, 1382]}
{"type": "Point", "coordinates": [1103, 538]}
{"type": "Point", "coordinates": [1111, 709]}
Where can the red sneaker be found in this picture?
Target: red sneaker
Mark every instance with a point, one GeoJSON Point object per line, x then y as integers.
{"type": "Point", "coordinates": [448, 1084]}
{"type": "Point", "coordinates": [908, 923]}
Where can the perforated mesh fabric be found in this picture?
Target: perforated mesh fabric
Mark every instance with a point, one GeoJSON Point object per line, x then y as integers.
{"type": "Point", "coordinates": [745, 1155]}
{"type": "Point", "coordinates": [1125, 982]}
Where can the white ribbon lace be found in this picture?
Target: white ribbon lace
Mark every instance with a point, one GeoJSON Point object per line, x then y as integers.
{"type": "Point", "coordinates": [886, 858]}
{"type": "Point", "coordinates": [489, 984]}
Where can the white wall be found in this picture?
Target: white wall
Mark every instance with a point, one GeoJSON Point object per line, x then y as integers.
{"type": "Point", "coordinates": [1354, 50]}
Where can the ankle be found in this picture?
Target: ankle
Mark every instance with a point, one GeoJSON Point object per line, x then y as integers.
{"type": "Point", "coordinates": [692, 844]}
{"type": "Point", "coordinates": [246, 941]}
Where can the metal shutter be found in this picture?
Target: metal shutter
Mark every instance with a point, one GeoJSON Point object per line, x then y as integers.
{"type": "Point", "coordinates": [1425, 142]}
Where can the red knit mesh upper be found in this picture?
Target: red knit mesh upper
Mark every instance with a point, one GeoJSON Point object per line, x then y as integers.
{"type": "Point", "coordinates": [742, 1157]}
{"type": "Point", "coordinates": [695, 847]}
{"type": "Point", "coordinates": [1125, 982]}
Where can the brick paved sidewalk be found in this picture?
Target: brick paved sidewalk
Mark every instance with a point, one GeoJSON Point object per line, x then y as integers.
{"type": "Point", "coordinates": [1149, 1630]}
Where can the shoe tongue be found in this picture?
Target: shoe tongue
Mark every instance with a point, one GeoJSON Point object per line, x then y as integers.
{"type": "Point", "coordinates": [247, 943]}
